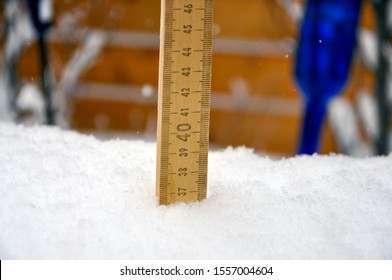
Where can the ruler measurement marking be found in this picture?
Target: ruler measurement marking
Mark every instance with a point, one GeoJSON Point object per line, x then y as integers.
{"type": "Point", "coordinates": [184, 100]}
{"type": "Point", "coordinates": [203, 155]}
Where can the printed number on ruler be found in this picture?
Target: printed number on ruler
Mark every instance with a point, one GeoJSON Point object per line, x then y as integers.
{"type": "Point", "coordinates": [184, 100]}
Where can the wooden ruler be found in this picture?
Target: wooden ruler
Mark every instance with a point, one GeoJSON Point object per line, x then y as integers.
{"type": "Point", "coordinates": [184, 100]}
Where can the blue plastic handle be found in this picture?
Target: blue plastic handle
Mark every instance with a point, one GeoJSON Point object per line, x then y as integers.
{"type": "Point", "coordinates": [324, 55]}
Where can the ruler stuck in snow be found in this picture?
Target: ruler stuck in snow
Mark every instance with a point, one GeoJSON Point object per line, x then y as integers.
{"type": "Point", "coordinates": [184, 100]}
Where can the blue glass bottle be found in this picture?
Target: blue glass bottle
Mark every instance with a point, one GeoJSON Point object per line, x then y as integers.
{"type": "Point", "coordinates": [324, 54]}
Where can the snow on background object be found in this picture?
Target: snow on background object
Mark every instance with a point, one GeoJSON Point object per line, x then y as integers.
{"type": "Point", "coordinates": [4, 111]}
{"type": "Point", "coordinates": [68, 196]}
{"type": "Point", "coordinates": [21, 31]}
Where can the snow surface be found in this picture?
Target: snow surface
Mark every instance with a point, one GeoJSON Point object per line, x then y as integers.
{"type": "Point", "coordinates": [70, 196]}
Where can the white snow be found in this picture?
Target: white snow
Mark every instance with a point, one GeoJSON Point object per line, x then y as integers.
{"type": "Point", "coordinates": [293, 8]}
{"type": "Point", "coordinates": [45, 9]}
{"type": "Point", "coordinates": [21, 31]}
{"type": "Point", "coordinates": [70, 196]}
{"type": "Point", "coordinates": [81, 60]}
{"type": "Point", "coordinates": [367, 42]}
{"type": "Point", "coordinates": [30, 100]}
{"type": "Point", "coordinates": [367, 109]}
{"type": "Point", "coordinates": [5, 114]}
{"type": "Point", "coordinates": [343, 121]}
{"type": "Point", "coordinates": [148, 91]}
{"type": "Point", "coordinates": [389, 15]}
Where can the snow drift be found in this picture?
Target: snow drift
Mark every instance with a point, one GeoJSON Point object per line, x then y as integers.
{"type": "Point", "coordinates": [69, 196]}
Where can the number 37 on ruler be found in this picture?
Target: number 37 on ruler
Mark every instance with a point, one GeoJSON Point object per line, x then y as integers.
{"type": "Point", "coordinates": [184, 100]}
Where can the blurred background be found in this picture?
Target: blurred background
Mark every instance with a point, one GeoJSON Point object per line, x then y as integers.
{"type": "Point", "coordinates": [102, 64]}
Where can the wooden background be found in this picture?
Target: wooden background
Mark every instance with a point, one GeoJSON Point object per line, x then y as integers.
{"type": "Point", "coordinates": [255, 101]}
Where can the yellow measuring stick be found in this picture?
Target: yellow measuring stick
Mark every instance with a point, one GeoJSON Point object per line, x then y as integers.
{"type": "Point", "coordinates": [184, 100]}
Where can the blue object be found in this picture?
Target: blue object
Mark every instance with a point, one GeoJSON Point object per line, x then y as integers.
{"type": "Point", "coordinates": [42, 17]}
{"type": "Point", "coordinates": [41, 14]}
{"type": "Point", "coordinates": [324, 55]}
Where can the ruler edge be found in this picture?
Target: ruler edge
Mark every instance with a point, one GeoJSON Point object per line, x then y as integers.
{"type": "Point", "coordinates": [206, 103]}
{"type": "Point", "coordinates": [163, 39]}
